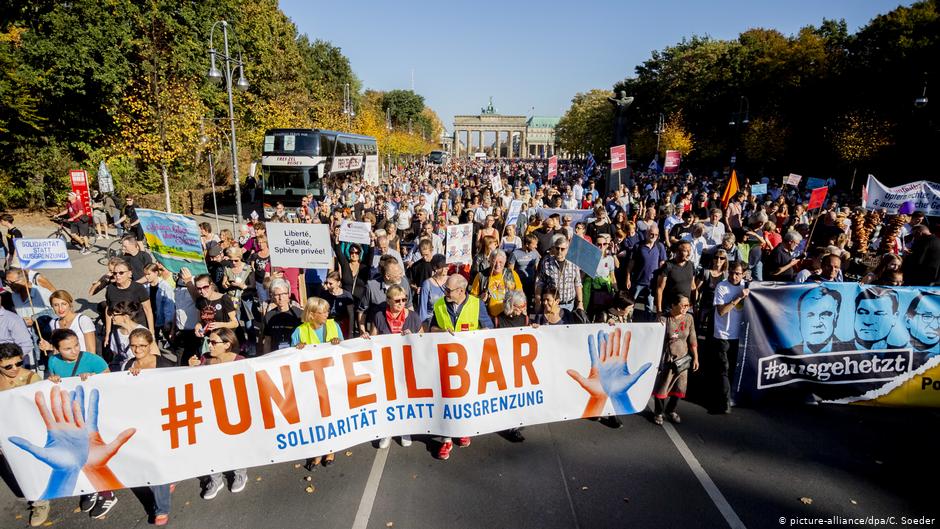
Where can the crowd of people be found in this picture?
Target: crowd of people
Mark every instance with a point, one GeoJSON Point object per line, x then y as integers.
{"type": "Point", "coordinates": [672, 250]}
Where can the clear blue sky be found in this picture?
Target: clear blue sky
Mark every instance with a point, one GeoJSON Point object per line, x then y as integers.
{"type": "Point", "coordinates": [534, 54]}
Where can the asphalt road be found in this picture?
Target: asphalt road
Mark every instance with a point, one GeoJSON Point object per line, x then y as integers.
{"type": "Point", "coordinates": [753, 468]}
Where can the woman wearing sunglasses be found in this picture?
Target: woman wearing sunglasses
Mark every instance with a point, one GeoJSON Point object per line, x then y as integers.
{"type": "Point", "coordinates": [223, 347]}
{"type": "Point", "coordinates": [395, 318]}
{"type": "Point", "coordinates": [14, 375]}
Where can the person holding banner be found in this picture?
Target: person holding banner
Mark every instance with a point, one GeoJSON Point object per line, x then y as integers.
{"type": "Point", "coordinates": [223, 348]}
{"type": "Point", "coordinates": [455, 312]}
{"type": "Point", "coordinates": [146, 355]}
{"type": "Point", "coordinates": [673, 378]}
{"type": "Point", "coordinates": [491, 286]}
{"type": "Point", "coordinates": [729, 311]}
{"type": "Point", "coordinates": [14, 375]}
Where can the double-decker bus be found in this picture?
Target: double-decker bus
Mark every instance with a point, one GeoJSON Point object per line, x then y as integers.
{"type": "Point", "coordinates": [299, 162]}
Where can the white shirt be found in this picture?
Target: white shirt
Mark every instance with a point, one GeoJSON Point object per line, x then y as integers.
{"type": "Point", "coordinates": [714, 233]}
{"type": "Point", "coordinates": [728, 327]}
{"type": "Point", "coordinates": [698, 248]}
{"type": "Point", "coordinates": [605, 267]}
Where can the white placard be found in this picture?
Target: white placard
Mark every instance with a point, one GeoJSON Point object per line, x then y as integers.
{"type": "Point", "coordinates": [497, 183]}
{"type": "Point", "coordinates": [358, 232]}
{"type": "Point", "coordinates": [515, 208]}
{"type": "Point", "coordinates": [300, 245]}
{"type": "Point", "coordinates": [460, 244]}
{"type": "Point", "coordinates": [37, 254]}
{"type": "Point", "coordinates": [794, 179]}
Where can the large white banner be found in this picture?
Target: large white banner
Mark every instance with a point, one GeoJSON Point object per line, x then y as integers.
{"type": "Point", "coordinates": [300, 245]}
{"type": "Point", "coordinates": [117, 430]}
{"type": "Point", "coordinates": [925, 196]}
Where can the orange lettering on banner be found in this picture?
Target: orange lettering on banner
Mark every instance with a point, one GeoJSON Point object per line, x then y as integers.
{"type": "Point", "coordinates": [317, 366]}
{"type": "Point", "coordinates": [353, 381]}
{"type": "Point", "coordinates": [221, 410]}
{"type": "Point", "coordinates": [286, 402]}
{"type": "Point", "coordinates": [414, 392]}
{"type": "Point", "coordinates": [491, 369]}
{"type": "Point", "coordinates": [389, 371]}
{"type": "Point", "coordinates": [458, 370]}
{"type": "Point", "coordinates": [519, 360]}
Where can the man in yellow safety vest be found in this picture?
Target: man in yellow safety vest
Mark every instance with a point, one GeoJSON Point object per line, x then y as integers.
{"type": "Point", "coordinates": [458, 311]}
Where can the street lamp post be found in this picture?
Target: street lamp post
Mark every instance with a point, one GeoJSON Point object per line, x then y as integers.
{"type": "Point", "coordinates": [230, 64]}
{"type": "Point", "coordinates": [348, 107]}
{"type": "Point", "coordinates": [742, 116]}
{"type": "Point", "coordinates": [659, 131]}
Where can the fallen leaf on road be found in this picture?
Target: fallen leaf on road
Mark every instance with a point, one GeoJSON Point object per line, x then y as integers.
{"type": "Point", "coordinates": [187, 503]}
{"type": "Point", "coordinates": [20, 516]}
{"type": "Point", "coordinates": [297, 465]}
{"type": "Point", "coordinates": [854, 502]}
{"type": "Point", "coordinates": [258, 478]}
{"type": "Point", "coordinates": [806, 501]}
{"type": "Point", "coordinates": [310, 489]}
{"type": "Point", "coordinates": [389, 524]}
{"type": "Point", "coordinates": [77, 509]}
{"type": "Point", "coordinates": [584, 488]}
{"type": "Point", "coordinates": [348, 453]}
{"type": "Point", "coordinates": [309, 478]}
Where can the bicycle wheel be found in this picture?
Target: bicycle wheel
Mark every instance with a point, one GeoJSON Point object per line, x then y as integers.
{"type": "Point", "coordinates": [59, 234]}
{"type": "Point", "coordinates": [115, 249]}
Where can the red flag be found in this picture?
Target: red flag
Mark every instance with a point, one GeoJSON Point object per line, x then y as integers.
{"type": "Point", "coordinates": [817, 197]}
{"type": "Point", "coordinates": [730, 190]}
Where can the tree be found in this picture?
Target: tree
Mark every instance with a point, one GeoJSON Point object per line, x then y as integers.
{"type": "Point", "coordinates": [858, 136]}
{"type": "Point", "coordinates": [675, 137]}
{"type": "Point", "coordinates": [588, 124]}
{"type": "Point", "coordinates": [404, 106]}
{"type": "Point", "coordinates": [765, 140]}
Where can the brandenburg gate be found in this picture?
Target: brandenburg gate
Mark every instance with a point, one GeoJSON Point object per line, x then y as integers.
{"type": "Point", "coordinates": [509, 131]}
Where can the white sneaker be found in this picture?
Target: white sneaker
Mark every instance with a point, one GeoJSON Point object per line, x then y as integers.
{"type": "Point", "coordinates": [238, 484]}
{"type": "Point", "coordinates": [406, 440]}
{"type": "Point", "coordinates": [385, 442]}
{"type": "Point", "coordinates": [212, 489]}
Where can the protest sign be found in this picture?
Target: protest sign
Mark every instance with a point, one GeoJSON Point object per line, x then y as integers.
{"type": "Point", "coordinates": [925, 196]}
{"type": "Point", "coordinates": [496, 183]}
{"type": "Point", "coordinates": [577, 215]}
{"type": "Point", "coordinates": [794, 179]}
{"type": "Point", "coordinates": [552, 167]}
{"type": "Point", "coordinates": [512, 215]}
{"type": "Point", "coordinates": [759, 189]}
{"type": "Point", "coordinates": [173, 240]}
{"type": "Point", "coordinates": [848, 343]}
{"type": "Point", "coordinates": [357, 232]}
{"type": "Point", "coordinates": [817, 197]}
{"type": "Point", "coordinates": [584, 254]}
{"type": "Point", "coordinates": [38, 254]}
{"type": "Point", "coordinates": [178, 423]}
{"type": "Point", "coordinates": [815, 183]}
{"type": "Point", "coordinates": [105, 181]}
{"type": "Point", "coordinates": [618, 157]}
{"type": "Point", "coordinates": [673, 159]}
{"type": "Point", "coordinates": [460, 244]}
{"type": "Point", "coordinates": [79, 179]}
{"type": "Point", "coordinates": [300, 245]}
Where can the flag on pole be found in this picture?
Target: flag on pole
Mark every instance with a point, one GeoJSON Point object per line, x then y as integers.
{"type": "Point", "coordinates": [589, 168]}
{"type": "Point", "coordinates": [730, 190]}
{"type": "Point", "coordinates": [654, 165]}
{"type": "Point", "coordinates": [817, 197]}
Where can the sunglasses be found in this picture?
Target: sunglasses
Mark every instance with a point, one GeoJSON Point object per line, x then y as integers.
{"type": "Point", "coordinates": [9, 367]}
{"type": "Point", "coordinates": [121, 272]}
{"type": "Point", "coordinates": [399, 300]}
{"type": "Point", "coordinates": [216, 342]}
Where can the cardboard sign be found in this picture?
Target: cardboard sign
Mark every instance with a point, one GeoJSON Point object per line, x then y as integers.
{"type": "Point", "coordinates": [817, 197]}
{"type": "Point", "coordinates": [585, 255]}
{"type": "Point", "coordinates": [300, 245]}
{"type": "Point", "coordinates": [794, 179]}
{"type": "Point", "coordinates": [512, 215]}
{"type": "Point", "coordinates": [759, 189]}
{"type": "Point", "coordinates": [38, 254]}
{"type": "Point", "coordinates": [357, 232]}
{"type": "Point", "coordinates": [173, 240]}
{"type": "Point", "coordinates": [552, 167]}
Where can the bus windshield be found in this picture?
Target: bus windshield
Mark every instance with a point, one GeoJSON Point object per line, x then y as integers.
{"type": "Point", "coordinates": [290, 181]}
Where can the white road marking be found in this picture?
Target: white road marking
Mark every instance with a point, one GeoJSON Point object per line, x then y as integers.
{"type": "Point", "coordinates": [734, 522]}
{"type": "Point", "coordinates": [372, 487]}
{"type": "Point", "coordinates": [564, 479]}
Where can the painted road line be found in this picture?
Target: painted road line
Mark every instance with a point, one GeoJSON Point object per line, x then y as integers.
{"type": "Point", "coordinates": [564, 478]}
{"type": "Point", "coordinates": [717, 497]}
{"type": "Point", "coordinates": [372, 487]}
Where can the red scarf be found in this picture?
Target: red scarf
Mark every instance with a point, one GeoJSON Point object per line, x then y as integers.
{"type": "Point", "coordinates": [396, 324]}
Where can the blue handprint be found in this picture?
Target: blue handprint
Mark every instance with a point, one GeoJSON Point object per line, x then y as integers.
{"type": "Point", "coordinates": [66, 448]}
{"type": "Point", "coordinates": [74, 444]}
{"type": "Point", "coordinates": [609, 375]}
